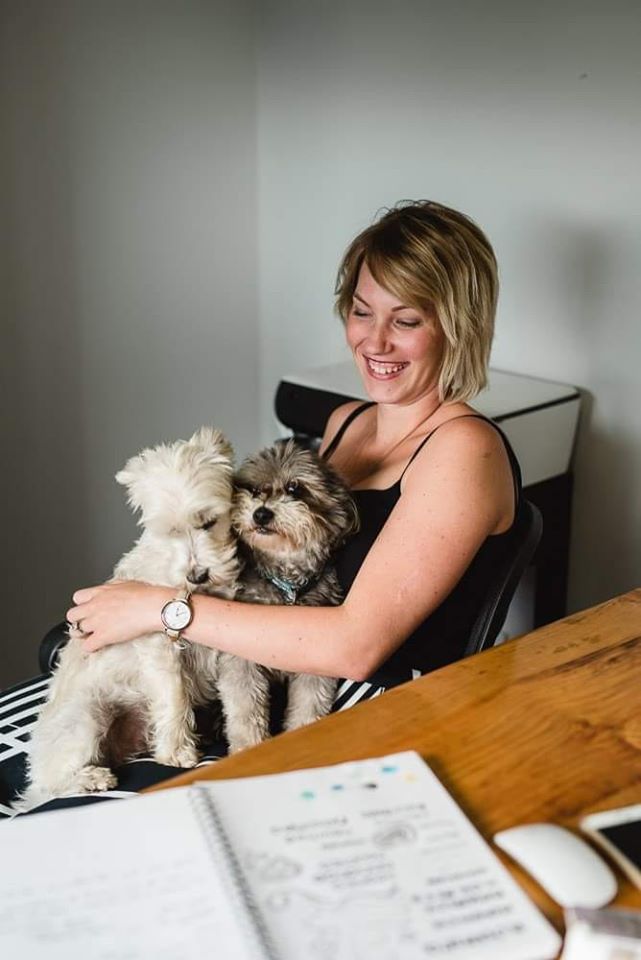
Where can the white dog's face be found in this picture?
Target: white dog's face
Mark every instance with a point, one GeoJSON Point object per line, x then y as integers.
{"type": "Point", "coordinates": [183, 493]}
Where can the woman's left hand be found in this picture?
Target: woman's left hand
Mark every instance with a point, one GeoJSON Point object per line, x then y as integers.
{"type": "Point", "coordinates": [117, 611]}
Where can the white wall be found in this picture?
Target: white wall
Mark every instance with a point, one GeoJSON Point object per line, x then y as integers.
{"type": "Point", "coordinates": [528, 118]}
{"type": "Point", "coordinates": [128, 184]}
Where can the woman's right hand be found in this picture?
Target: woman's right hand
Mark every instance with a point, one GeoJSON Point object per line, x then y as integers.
{"type": "Point", "coordinates": [117, 611]}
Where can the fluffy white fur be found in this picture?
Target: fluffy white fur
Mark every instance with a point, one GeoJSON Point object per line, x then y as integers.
{"type": "Point", "coordinates": [104, 705]}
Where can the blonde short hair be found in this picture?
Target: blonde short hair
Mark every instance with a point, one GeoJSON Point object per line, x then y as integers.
{"type": "Point", "coordinates": [433, 257]}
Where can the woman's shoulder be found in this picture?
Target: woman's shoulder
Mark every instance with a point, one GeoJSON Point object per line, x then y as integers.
{"type": "Point", "coordinates": [465, 437]}
{"type": "Point", "coordinates": [466, 426]}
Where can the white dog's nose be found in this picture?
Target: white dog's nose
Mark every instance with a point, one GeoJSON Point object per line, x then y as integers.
{"type": "Point", "coordinates": [198, 575]}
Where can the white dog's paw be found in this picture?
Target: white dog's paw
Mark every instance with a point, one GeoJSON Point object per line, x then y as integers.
{"type": "Point", "coordinates": [185, 756]}
{"type": "Point", "coordinates": [93, 779]}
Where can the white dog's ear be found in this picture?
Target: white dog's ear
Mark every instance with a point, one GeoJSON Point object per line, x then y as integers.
{"type": "Point", "coordinates": [132, 470]}
{"type": "Point", "coordinates": [213, 442]}
{"type": "Point", "coordinates": [132, 476]}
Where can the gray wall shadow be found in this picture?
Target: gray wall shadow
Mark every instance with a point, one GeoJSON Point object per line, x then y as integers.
{"type": "Point", "coordinates": [43, 480]}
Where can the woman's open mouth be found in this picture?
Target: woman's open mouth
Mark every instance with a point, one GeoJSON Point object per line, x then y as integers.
{"type": "Point", "coordinates": [384, 369]}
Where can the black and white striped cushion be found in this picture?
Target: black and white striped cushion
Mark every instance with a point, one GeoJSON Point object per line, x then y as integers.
{"type": "Point", "coordinates": [19, 709]}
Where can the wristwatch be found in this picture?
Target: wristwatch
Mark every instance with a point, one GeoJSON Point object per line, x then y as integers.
{"type": "Point", "coordinates": [176, 615]}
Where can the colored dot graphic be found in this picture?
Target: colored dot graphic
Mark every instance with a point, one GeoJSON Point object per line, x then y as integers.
{"type": "Point", "coordinates": [386, 768]}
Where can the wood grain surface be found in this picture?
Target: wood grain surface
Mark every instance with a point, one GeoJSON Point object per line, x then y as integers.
{"type": "Point", "coordinates": [544, 727]}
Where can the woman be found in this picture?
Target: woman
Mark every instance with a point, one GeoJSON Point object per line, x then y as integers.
{"type": "Point", "coordinates": [437, 488]}
{"type": "Point", "coordinates": [436, 485]}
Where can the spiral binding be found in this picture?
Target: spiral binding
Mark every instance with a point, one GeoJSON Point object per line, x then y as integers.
{"type": "Point", "coordinates": [219, 845]}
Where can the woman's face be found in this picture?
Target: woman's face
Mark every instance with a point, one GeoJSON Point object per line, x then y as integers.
{"type": "Point", "coordinates": [398, 349]}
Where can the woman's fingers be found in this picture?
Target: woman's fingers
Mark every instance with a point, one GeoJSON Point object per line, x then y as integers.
{"type": "Point", "coordinates": [90, 645]}
{"type": "Point", "coordinates": [73, 616]}
{"type": "Point", "coordinates": [85, 594]}
{"type": "Point", "coordinates": [117, 611]}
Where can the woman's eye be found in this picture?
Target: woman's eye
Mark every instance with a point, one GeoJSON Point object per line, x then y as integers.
{"type": "Point", "coordinates": [209, 524]}
{"type": "Point", "coordinates": [407, 324]}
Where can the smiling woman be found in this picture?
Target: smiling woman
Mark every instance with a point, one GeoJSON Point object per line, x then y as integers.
{"type": "Point", "coordinates": [417, 292]}
{"type": "Point", "coordinates": [393, 344]}
{"type": "Point", "coordinates": [435, 265]}
{"type": "Point", "coordinates": [437, 486]}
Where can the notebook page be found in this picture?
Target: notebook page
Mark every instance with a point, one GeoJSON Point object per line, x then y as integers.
{"type": "Point", "coordinates": [119, 880]}
{"type": "Point", "coordinates": [374, 860]}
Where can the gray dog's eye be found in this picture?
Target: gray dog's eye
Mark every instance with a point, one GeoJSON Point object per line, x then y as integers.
{"type": "Point", "coordinates": [293, 488]}
{"type": "Point", "coordinates": [209, 524]}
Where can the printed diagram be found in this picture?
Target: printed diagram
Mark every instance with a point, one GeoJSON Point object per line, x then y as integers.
{"type": "Point", "coordinates": [270, 868]}
{"type": "Point", "coordinates": [352, 928]}
{"type": "Point", "coordinates": [395, 835]}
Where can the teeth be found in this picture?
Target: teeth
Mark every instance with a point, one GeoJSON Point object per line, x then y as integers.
{"type": "Point", "coordinates": [385, 368]}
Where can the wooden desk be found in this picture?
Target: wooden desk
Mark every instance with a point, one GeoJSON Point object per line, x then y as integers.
{"type": "Point", "coordinates": [546, 727]}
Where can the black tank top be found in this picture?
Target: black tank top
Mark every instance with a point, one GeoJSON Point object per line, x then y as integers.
{"type": "Point", "coordinates": [442, 637]}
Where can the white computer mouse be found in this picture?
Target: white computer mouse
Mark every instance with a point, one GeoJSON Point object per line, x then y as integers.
{"type": "Point", "coordinates": [565, 866]}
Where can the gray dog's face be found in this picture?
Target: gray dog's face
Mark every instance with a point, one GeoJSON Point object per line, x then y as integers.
{"type": "Point", "coordinates": [289, 502]}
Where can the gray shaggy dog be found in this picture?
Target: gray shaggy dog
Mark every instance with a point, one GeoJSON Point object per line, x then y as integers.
{"type": "Point", "coordinates": [290, 513]}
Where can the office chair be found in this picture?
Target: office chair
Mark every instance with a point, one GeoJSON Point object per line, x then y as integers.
{"type": "Point", "coordinates": [506, 579]}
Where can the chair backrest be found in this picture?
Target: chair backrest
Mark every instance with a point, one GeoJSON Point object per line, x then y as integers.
{"type": "Point", "coordinates": [507, 576]}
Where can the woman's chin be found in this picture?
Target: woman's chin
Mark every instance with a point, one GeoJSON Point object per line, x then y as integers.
{"type": "Point", "coordinates": [382, 390]}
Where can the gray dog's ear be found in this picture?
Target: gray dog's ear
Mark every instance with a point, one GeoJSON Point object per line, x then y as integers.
{"type": "Point", "coordinates": [213, 442]}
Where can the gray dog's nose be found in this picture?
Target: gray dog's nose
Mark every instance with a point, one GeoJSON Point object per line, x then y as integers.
{"type": "Point", "coordinates": [262, 516]}
{"type": "Point", "coordinates": [198, 575]}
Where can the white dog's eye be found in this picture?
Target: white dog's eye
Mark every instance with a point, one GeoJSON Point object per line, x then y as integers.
{"type": "Point", "coordinates": [293, 488]}
{"type": "Point", "coordinates": [209, 524]}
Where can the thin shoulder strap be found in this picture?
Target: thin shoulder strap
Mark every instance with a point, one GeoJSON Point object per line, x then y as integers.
{"type": "Point", "coordinates": [336, 439]}
{"type": "Point", "coordinates": [514, 463]}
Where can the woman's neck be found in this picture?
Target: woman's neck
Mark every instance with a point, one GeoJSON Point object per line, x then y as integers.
{"type": "Point", "coordinates": [395, 423]}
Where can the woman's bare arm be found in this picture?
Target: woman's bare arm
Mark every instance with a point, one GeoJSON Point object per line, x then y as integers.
{"type": "Point", "coordinates": [451, 502]}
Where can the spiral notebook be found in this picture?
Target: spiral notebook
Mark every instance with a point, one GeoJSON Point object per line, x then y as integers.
{"type": "Point", "coordinates": [370, 859]}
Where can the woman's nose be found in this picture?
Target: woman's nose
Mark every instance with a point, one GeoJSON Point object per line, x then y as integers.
{"type": "Point", "coordinates": [377, 338]}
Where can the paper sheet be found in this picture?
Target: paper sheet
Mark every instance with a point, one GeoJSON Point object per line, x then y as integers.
{"type": "Point", "coordinates": [119, 880]}
{"type": "Point", "coordinates": [374, 861]}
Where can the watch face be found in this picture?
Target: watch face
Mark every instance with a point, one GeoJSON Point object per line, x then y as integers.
{"type": "Point", "coordinates": [176, 614]}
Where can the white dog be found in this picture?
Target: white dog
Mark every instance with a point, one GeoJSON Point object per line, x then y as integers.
{"type": "Point", "coordinates": [183, 492]}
